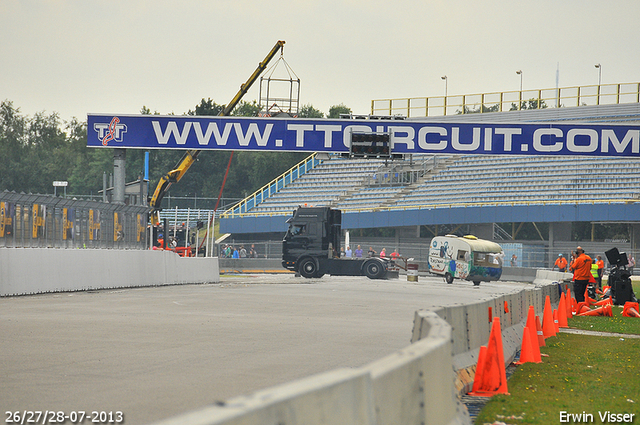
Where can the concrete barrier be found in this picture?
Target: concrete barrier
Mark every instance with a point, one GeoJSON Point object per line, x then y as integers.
{"type": "Point", "coordinates": [411, 386]}
{"type": "Point", "coordinates": [416, 384]}
{"type": "Point", "coordinates": [40, 270]}
{"type": "Point", "coordinates": [341, 396]}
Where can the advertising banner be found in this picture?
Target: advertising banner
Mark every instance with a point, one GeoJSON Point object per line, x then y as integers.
{"type": "Point", "coordinates": [141, 227]}
{"type": "Point", "coordinates": [118, 234]}
{"type": "Point", "coordinates": [68, 217]}
{"type": "Point", "coordinates": [94, 225]}
{"type": "Point", "coordinates": [7, 213]}
{"type": "Point", "coordinates": [324, 135]}
{"type": "Point", "coordinates": [38, 215]}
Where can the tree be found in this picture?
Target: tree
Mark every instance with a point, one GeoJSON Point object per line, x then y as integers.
{"type": "Point", "coordinates": [246, 109]}
{"type": "Point", "coordinates": [207, 107]}
{"type": "Point", "coordinates": [308, 111]}
{"type": "Point", "coordinates": [480, 109]}
{"type": "Point", "coordinates": [530, 104]}
{"type": "Point", "coordinates": [336, 110]}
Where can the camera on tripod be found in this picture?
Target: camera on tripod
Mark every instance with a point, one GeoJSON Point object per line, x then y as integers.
{"type": "Point", "coordinates": [619, 277]}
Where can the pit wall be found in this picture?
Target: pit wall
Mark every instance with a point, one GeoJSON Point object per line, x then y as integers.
{"type": "Point", "coordinates": [419, 384]}
{"type": "Point", "coordinates": [39, 270]}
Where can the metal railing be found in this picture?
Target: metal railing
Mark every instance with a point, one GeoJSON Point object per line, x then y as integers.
{"type": "Point", "coordinates": [530, 254]}
{"type": "Point", "coordinates": [509, 100]}
{"type": "Point", "coordinates": [274, 186]}
{"type": "Point", "coordinates": [230, 214]}
{"type": "Point", "coordinates": [47, 221]}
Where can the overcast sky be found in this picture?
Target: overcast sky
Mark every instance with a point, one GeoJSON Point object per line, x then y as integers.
{"type": "Point", "coordinates": [85, 56]}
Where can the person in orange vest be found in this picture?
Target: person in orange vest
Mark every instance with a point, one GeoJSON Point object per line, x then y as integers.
{"type": "Point", "coordinates": [600, 264]}
{"type": "Point", "coordinates": [561, 263]}
{"type": "Point", "coordinates": [581, 268]}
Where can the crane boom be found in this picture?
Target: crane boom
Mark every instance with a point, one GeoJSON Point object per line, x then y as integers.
{"type": "Point", "coordinates": [190, 156]}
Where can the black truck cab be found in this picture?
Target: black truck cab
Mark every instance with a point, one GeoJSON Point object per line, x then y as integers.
{"type": "Point", "coordinates": [311, 247]}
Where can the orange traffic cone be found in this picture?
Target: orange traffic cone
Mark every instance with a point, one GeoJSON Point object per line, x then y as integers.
{"type": "Point", "coordinates": [540, 333]}
{"type": "Point", "coordinates": [574, 305]}
{"type": "Point", "coordinates": [568, 301]}
{"type": "Point", "coordinates": [527, 352]}
{"type": "Point", "coordinates": [601, 311]}
{"type": "Point", "coordinates": [631, 309]}
{"type": "Point", "coordinates": [562, 313]}
{"type": "Point", "coordinates": [556, 325]}
{"type": "Point", "coordinates": [586, 297]}
{"type": "Point", "coordinates": [493, 376]}
{"type": "Point", "coordinates": [533, 334]}
{"type": "Point", "coordinates": [548, 328]}
{"type": "Point", "coordinates": [479, 375]}
{"type": "Point", "coordinates": [582, 307]}
{"type": "Point", "coordinates": [604, 302]}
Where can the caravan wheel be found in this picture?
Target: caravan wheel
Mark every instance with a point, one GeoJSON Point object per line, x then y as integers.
{"type": "Point", "coordinates": [449, 278]}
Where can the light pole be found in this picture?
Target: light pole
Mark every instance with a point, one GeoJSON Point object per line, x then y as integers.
{"type": "Point", "coordinates": [599, 80]}
{"type": "Point", "coordinates": [444, 77]}
{"type": "Point", "coordinates": [519, 72]}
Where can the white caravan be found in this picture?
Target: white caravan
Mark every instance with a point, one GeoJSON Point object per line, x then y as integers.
{"type": "Point", "coordinates": [465, 257]}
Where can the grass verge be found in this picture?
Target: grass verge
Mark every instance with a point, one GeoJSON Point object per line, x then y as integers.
{"type": "Point", "coordinates": [582, 374]}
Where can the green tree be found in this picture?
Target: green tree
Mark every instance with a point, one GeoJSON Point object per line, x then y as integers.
{"type": "Point", "coordinates": [530, 104]}
{"type": "Point", "coordinates": [206, 107]}
{"type": "Point", "coordinates": [480, 109]}
{"type": "Point", "coordinates": [336, 110]}
{"type": "Point", "coordinates": [246, 109]}
{"type": "Point", "coordinates": [308, 111]}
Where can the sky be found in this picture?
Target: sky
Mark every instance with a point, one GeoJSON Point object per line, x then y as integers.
{"type": "Point", "coordinates": [75, 57]}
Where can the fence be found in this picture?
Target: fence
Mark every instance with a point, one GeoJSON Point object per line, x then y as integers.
{"type": "Point", "coordinates": [529, 254]}
{"type": "Point", "coordinates": [508, 100]}
{"type": "Point", "coordinates": [47, 221]}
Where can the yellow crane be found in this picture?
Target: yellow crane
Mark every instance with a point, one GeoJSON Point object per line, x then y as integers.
{"type": "Point", "coordinates": [191, 155]}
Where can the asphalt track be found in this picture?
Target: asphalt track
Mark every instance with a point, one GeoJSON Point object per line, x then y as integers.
{"type": "Point", "coordinates": [153, 353]}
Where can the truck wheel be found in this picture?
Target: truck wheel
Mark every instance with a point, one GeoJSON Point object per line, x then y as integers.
{"type": "Point", "coordinates": [373, 269]}
{"type": "Point", "coordinates": [308, 268]}
{"type": "Point", "coordinates": [448, 277]}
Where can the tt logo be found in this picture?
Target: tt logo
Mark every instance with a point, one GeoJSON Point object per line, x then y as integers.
{"type": "Point", "coordinates": [112, 131]}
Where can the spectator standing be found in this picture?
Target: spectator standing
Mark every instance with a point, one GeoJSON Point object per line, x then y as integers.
{"type": "Point", "coordinates": [600, 264]}
{"type": "Point", "coordinates": [514, 260]}
{"type": "Point", "coordinates": [632, 263]}
{"type": "Point", "coordinates": [372, 252]}
{"type": "Point", "coordinates": [395, 255]}
{"type": "Point", "coordinates": [383, 253]}
{"type": "Point", "coordinates": [561, 263]}
{"type": "Point", "coordinates": [235, 253]}
{"type": "Point", "coordinates": [243, 252]}
{"type": "Point", "coordinates": [358, 252]}
{"type": "Point", "coordinates": [581, 274]}
{"type": "Point", "coordinates": [348, 253]}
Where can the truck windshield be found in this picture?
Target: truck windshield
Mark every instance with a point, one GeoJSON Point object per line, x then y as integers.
{"type": "Point", "coordinates": [295, 229]}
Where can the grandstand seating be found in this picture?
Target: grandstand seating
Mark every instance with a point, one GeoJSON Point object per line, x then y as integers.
{"type": "Point", "coordinates": [360, 183]}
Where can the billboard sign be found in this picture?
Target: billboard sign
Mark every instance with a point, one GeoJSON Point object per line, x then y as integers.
{"type": "Point", "coordinates": [324, 135]}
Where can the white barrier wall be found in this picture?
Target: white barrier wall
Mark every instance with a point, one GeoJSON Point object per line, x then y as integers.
{"type": "Point", "coordinates": [39, 270]}
{"type": "Point", "coordinates": [412, 386]}
{"type": "Point", "coordinates": [418, 384]}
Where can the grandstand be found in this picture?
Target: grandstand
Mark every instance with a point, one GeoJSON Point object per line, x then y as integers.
{"type": "Point", "coordinates": [368, 185]}
{"type": "Point", "coordinates": [436, 181]}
